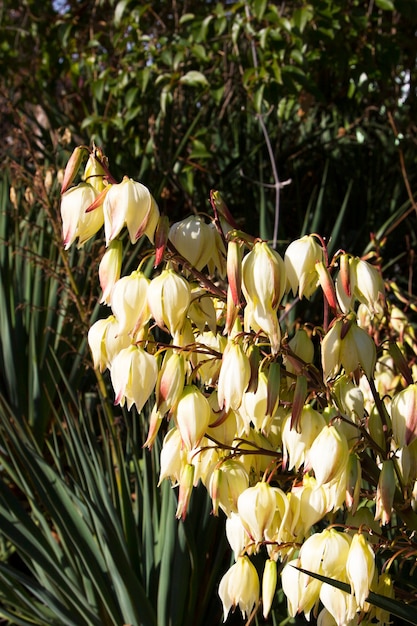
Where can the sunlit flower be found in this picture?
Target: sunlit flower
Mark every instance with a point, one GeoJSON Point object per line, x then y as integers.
{"type": "Point", "coordinates": [240, 587]}
{"type": "Point", "coordinates": [133, 375]}
{"type": "Point", "coordinates": [300, 260]}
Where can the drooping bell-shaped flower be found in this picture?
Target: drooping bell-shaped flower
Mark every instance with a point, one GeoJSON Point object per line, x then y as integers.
{"type": "Point", "coordinates": [328, 454]}
{"type": "Point", "coordinates": [385, 492]}
{"type": "Point", "coordinates": [234, 376]}
{"type": "Point", "coordinates": [256, 507]}
{"type": "Point", "coordinates": [240, 587]}
{"type": "Point", "coordinates": [326, 553]}
{"type": "Point", "coordinates": [263, 285]}
{"type": "Point", "coordinates": [106, 342]}
{"type": "Point", "coordinates": [76, 223]}
{"type": "Point", "coordinates": [297, 443]}
{"type": "Point", "coordinates": [300, 260]}
{"type": "Point", "coordinates": [169, 297]}
{"type": "Point", "coordinates": [109, 269]}
{"type": "Point", "coordinates": [359, 280]}
{"type": "Point", "coordinates": [130, 204]}
{"type": "Point", "coordinates": [133, 374]}
{"type": "Point", "coordinates": [360, 567]}
{"type": "Point", "coordinates": [192, 416]}
{"type": "Point", "coordinates": [226, 484]}
{"type": "Point", "coordinates": [404, 416]}
{"type": "Point", "coordinates": [194, 240]}
{"type": "Point", "coordinates": [348, 346]}
{"type": "Point", "coordinates": [129, 302]}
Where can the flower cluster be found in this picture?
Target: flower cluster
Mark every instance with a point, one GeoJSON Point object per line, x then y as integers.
{"type": "Point", "coordinates": [290, 428]}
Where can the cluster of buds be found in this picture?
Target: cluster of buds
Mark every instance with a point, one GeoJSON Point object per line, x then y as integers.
{"type": "Point", "coordinates": [276, 421]}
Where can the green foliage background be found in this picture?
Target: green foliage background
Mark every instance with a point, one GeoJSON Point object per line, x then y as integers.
{"type": "Point", "coordinates": [305, 106]}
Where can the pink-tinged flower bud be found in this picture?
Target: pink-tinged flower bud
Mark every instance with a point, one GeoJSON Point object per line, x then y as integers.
{"type": "Point", "coordinates": [234, 270]}
{"type": "Point", "coordinates": [75, 221]}
{"type": "Point", "coordinates": [328, 454]}
{"type": "Point", "coordinates": [385, 492]}
{"type": "Point", "coordinates": [297, 443]}
{"type": "Point", "coordinates": [130, 204]}
{"type": "Point", "coordinates": [129, 302]}
{"type": "Point", "coordinates": [133, 376]}
{"type": "Point", "coordinates": [161, 238]}
{"type": "Point", "coordinates": [72, 167]}
{"type": "Point", "coordinates": [226, 484]}
{"type": "Point", "coordinates": [300, 260]}
{"type": "Point", "coordinates": [194, 240]}
{"type": "Point", "coordinates": [170, 383]}
{"type": "Point", "coordinates": [169, 297]}
{"type": "Point", "coordinates": [256, 507]}
{"type": "Point", "coordinates": [105, 342]}
{"type": "Point", "coordinates": [240, 587]}
{"type": "Point", "coordinates": [348, 346]}
{"type": "Point", "coordinates": [269, 585]}
{"type": "Point", "coordinates": [234, 376]}
{"type": "Point", "coordinates": [360, 567]}
{"type": "Point", "coordinates": [186, 484]}
{"type": "Point", "coordinates": [109, 269]}
{"type": "Point", "coordinates": [404, 416]}
{"type": "Point", "coordinates": [327, 285]}
{"type": "Point", "coordinates": [192, 416]}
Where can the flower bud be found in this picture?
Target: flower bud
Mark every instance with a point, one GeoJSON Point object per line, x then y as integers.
{"type": "Point", "coordinates": [385, 492]}
{"type": "Point", "coordinates": [133, 375]}
{"type": "Point", "coordinates": [186, 484]}
{"type": "Point", "coordinates": [300, 260]}
{"type": "Point", "coordinates": [72, 167]}
{"type": "Point", "coordinates": [360, 567]}
{"type": "Point", "coordinates": [269, 585]}
{"type": "Point", "coordinates": [192, 416]}
{"type": "Point", "coordinates": [404, 416]}
{"type": "Point", "coordinates": [169, 297]}
{"type": "Point", "coordinates": [240, 587]}
{"type": "Point", "coordinates": [170, 383]}
{"type": "Point", "coordinates": [109, 269]}
{"type": "Point", "coordinates": [75, 221]}
{"type": "Point", "coordinates": [234, 270]}
{"type": "Point", "coordinates": [130, 203]}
